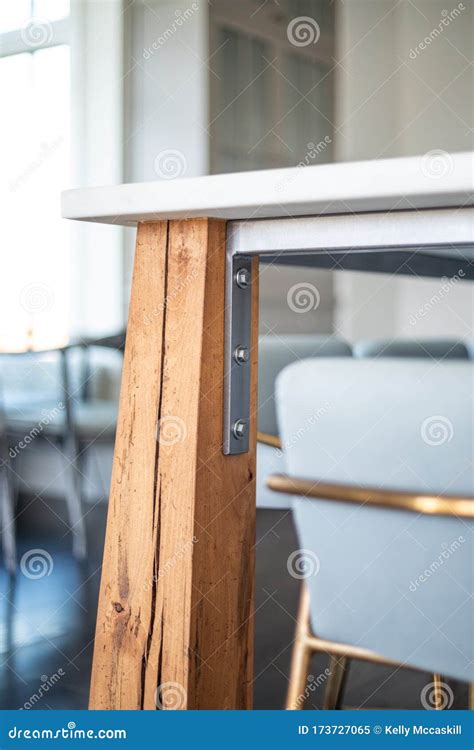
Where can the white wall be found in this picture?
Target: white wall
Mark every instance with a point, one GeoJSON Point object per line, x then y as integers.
{"type": "Point", "coordinates": [97, 159]}
{"type": "Point", "coordinates": [167, 90]}
{"type": "Point", "coordinates": [392, 104]}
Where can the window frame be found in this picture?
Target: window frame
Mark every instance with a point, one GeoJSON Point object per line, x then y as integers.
{"type": "Point", "coordinates": [12, 42]}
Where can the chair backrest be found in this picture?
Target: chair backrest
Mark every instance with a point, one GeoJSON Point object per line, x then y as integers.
{"type": "Point", "coordinates": [395, 582]}
{"type": "Point", "coordinates": [275, 353]}
{"type": "Point", "coordinates": [38, 378]}
{"type": "Point", "coordinates": [426, 348]}
{"type": "Point", "coordinates": [30, 378]}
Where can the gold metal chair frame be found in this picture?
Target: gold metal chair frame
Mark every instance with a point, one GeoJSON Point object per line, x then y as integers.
{"type": "Point", "coordinates": [306, 643]}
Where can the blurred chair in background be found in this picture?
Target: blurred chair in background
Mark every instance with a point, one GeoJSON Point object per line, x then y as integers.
{"type": "Point", "coordinates": [426, 348]}
{"type": "Point", "coordinates": [275, 353]}
{"type": "Point", "coordinates": [384, 517]}
{"type": "Point", "coordinates": [51, 396]}
{"type": "Point", "coordinates": [7, 514]}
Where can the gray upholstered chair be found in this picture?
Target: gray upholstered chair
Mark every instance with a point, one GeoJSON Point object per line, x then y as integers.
{"type": "Point", "coordinates": [426, 348]}
{"type": "Point", "coordinates": [380, 453]}
{"type": "Point", "coordinates": [275, 353]}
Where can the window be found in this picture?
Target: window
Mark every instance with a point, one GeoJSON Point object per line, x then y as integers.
{"type": "Point", "coordinates": [34, 154]}
{"type": "Point", "coordinates": [271, 83]}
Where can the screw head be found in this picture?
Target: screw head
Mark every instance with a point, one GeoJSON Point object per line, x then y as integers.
{"type": "Point", "coordinates": [239, 428]}
{"type": "Point", "coordinates": [242, 278]}
{"type": "Point", "coordinates": [241, 355]}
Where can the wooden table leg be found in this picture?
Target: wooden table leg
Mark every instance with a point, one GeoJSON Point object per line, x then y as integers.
{"type": "Point", "coordinates": [174, 625]}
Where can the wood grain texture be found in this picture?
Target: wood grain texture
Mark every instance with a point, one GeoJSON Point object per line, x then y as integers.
{"type": "Point", "coordinates": [175, 620]}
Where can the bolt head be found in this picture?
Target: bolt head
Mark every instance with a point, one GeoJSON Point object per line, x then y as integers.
{"type": "Point", "coordinates": [242, 278]}
{"type": "Point", "coordinates": [241, 355]}
{"type": "Point", "coordinates": [239, 428]}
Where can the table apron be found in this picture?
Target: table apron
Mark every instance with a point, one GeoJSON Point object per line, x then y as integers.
{"type": "Point", "coordinates": [440, 231]}
{"type": "Point", "coordinates": [448, 231]}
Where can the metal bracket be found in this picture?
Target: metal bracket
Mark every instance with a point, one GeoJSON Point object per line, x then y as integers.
{"type": "Point", "coordinates": [238, 328]}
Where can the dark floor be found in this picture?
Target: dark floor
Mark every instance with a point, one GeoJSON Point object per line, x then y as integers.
{"type": "Point", "coordinates": [47, 625]}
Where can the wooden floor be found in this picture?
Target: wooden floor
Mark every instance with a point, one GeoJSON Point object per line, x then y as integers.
{"type": "Point", "coordinates": [47, 625]}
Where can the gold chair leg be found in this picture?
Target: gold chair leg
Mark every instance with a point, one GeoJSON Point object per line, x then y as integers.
{"type": "Point", "coordinates": [300, 657]}
{"type": "Point", "coordinates": [470, 704]}
{"type": "Point", "coordinates": [438, 691]}
{"type": "Point", "coordinates": [338, 667]}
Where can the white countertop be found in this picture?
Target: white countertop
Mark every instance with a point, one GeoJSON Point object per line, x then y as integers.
{"type": "Point", "coordinates": [429, 181]}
